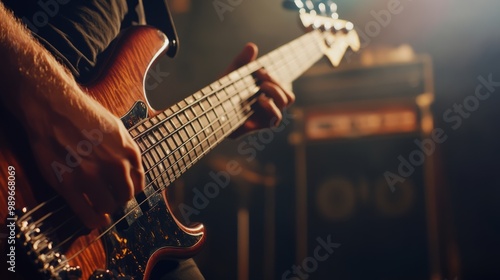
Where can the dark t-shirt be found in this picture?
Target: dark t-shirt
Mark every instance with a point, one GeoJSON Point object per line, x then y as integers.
{"type": "Point", "coordinates": [77, 31]}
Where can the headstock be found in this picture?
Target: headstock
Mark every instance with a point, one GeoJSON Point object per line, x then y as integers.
{"type": "Point", "coordinates": [337, 35]}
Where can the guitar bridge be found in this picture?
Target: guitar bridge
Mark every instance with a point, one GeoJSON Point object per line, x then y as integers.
{"type": "Point", "coordinates": [39, 248]}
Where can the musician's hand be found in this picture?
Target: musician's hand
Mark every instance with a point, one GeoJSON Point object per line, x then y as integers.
{"type": "Point", "coordinates": [89, 158]}
{"type": "Point", "coordinates": [82, 150]}
{"type": "Point", "coordinates": [272, 100]}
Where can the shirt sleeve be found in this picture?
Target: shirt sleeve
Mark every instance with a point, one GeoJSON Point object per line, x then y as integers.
{"type": "Point", "coordinates": [77, 31]}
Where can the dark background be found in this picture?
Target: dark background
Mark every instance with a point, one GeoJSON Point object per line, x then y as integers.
{"type": "Point", "coordinates": [463, 39]}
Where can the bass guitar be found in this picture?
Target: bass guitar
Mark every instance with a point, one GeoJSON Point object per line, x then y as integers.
{"type": "Point", "coordinates": [43, 239]}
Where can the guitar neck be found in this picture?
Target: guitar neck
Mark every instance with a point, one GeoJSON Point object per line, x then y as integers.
{"type": "Point", "coordinates": [175, 139]}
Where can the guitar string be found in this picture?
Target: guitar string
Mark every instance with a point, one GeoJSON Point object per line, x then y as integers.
{"type": "Point", "coordinates": [36, 208]}
{"type": "Point", "coordinates": [234, 111]}
{"type": "Point", "coordinates": [61, 266]}
{"type": "Point", "coordinates": [171, 153]}
{"type": "Point", "coordinates": [156, 191]}
{"type": "Point", "coordinates": [147, 198]}
{"type": "Point", "coordinates": [77, 232]}
{"type": "Point", "coordinates": [249, 68]}
{"type": "Point", "coordinates": [170, 181]}
{"type": "Point", "coordinates": [176, 163]}
{"type": "Point", "coordinates": [195, 147]}
{"type": "Point", "coordinates": [159, 142]}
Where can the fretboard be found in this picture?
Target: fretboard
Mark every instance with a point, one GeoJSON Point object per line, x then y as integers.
{"type": "Point", "coordinates": [172, 141]}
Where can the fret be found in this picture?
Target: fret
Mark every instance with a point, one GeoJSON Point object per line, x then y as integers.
{"type": "Point", "coordinates": [183, 135]}
{"type": "Point", "coordinates": [166, 180]}
{"type": "Point", "coordinates": [155, 138]}
{"type": "Point", "coordinates": [251, 67]}
{"type": "Point", "coordinates": [149, 160]}
{"type": "Point", "coordinates": [171, 144]}
{"type": "Point", "coordinates": [141, 128]}
{"type": "Point", "coordinates": [206, 90]}
{"type": "Point", "coordinates": [265, 61]}
{"type": "Point", "coordinates": [186, 150]}
{"type": "Point", "coordinates": [177, 139]}
{"type": "Point", "coordinates": [170, 174]}
{"type": "Point", "coordinates": [240, 84]}
{"type": "Point", "coordinates": [244, 70]}
{"type": "Point", "coordinates": [169, 112]}
{"type": "Point", "coordinates": [174, 166]}
{"type": "Point", "coordinates": [215, 86]}
{"type": "Point", "coordinates": [147, 124]}
{"type": "Point", "coordinates": [193, 132]}
{"type": "Point", "coordinates": [189, 129]}
{"type": "Point", "coordinates": [188, 113]}
{"type": "Point", "coordinates": [151, 138]}
{"type": "Point", "coordinates": [197, 109]}
{"type": "Point", "coordinates": [215, 120]}
{"type": "Point", "coordinates": [199, 149]}
{"type": "Point", "coordinates": [236, 99]}
{"type": "Point", "coordinates": [174, 109]}
{"type": "Point", "coordinates": [212, 99]}
{"type": "Point", "coordinates": [154, 120]}
{"type": "Point", "coordinates": [211, 115]}
{"type": "Point", "coordinates": [223, 94]}
{"type": "Point", "coordinates": [184, 153]}
{"type": "Point", "coordinates": [174, 120]}
{"type": "Point", "coordinates": [134, 132]}
{"type": "Point", "coordinates": [181, 104]}
{"type": "Point", "coordinates": [164, 150]}
{"type": "Point", "coordinates": [212, 138]}
{"type": "Point", "coordinates": [231, 90]}
{"type": "Point", "coordinates": [205, 105]}
{"type": "Point", "coordinates": [219, 111]}
{"type": "Point", "coordinates": [190, 100]}
{"type": "Point", "coordinates": [189, 148]}
{"type": "Point", "coordinates": [287, 58]}
{"type": "Point", "coordinates": [204, 122]}
{"type": "Point", "coordinates": [182, 117]}
{"type": "Point", "coordinates": [162, 131]}
{"type": "Point", "coordinates": [204, 145]}
{"type": "Point", "coordinates": [227, 106]}
{"type": "Point", "coordinates": [141, 144]}
{"type": "Point", "coordinates": [197, 125]}
{"type": "Point", "coordinates": [234, 76]}
{"type": "Point", "coordinates": [148, 142]}
{"type": "Point", "coordinates": [177, 156]}
{"type": "Point", "coordinates": [224, 80]}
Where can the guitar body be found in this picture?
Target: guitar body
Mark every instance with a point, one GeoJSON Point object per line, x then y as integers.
{"type": "Point", "coordinates": [45, 227]}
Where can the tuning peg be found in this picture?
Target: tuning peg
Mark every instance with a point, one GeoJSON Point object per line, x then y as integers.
{"type": "Point", "coordinates": [321, 8]}
{"type": "Point", "coordinates": [309, 6]}
{"type": "Point", "coordinates": [331, 7]}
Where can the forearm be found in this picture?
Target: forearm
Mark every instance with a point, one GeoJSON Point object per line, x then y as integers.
{"type": "Point", "coordinates": [35, 85]}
